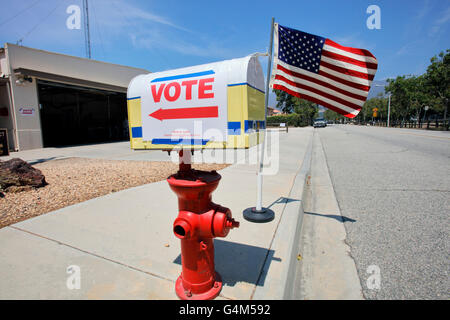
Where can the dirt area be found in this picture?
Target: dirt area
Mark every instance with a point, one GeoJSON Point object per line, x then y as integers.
{"type": "Point", "coordinates": [74, 180]}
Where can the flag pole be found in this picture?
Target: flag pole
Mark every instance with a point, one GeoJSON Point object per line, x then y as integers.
{"type": "Point", "coordinates": [259, 213]}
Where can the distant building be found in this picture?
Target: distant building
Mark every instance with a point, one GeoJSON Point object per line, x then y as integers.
{"type": "Point", "coordinates": [50, 99]}
{"type": "Point", "coordinates": [273, 112]}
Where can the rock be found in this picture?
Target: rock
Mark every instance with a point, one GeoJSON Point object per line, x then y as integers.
{"type": "Point", "coordinates": [19, 174]}
{"type": "Point", "coordinates": [16, 189]}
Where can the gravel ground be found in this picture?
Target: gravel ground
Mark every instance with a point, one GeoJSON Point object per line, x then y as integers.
{"type": "Point", "coordinates": [74, 180]}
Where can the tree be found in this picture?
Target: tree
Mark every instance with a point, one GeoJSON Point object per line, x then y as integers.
{"type": "Point", "coordinates": [378, 102]}
{"type": "Point", "coordinates": [332, 115]}
{"type": "Point", "coordinates": [418, 95]}
{"type": "Point", "coordinates": [399, 97]}
{"type": "Point", "coordinates": [304, 111]}
{"type": "Point", "coordinates": [285, 101]}
{"type": "Point", "coordinates": [437, 80]}
{"type": "Point", "coordinates": [409, 95]}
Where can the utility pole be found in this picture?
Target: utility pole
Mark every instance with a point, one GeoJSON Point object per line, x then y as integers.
{"type": "Point", "coordinates": [87, 34]}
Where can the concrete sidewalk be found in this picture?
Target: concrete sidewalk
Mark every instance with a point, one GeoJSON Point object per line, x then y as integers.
{"type": "Point", "coordinates": [125, 249]}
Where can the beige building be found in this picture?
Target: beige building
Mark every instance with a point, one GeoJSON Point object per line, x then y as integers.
{"type": "Point", "coordinates": [273, 112]}
{"type": "Point", "coordinates": [49, 99]}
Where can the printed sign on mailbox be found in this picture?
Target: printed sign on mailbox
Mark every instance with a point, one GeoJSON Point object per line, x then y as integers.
{"type": "Point", "coordinates": [185, 107]}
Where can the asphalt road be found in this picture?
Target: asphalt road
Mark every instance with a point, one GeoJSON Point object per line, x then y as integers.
{"type": "Point", "coordinates": [393, 190]}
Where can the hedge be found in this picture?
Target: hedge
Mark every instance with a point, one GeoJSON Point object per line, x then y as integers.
{"type": "Point", "coordinates": [292, 120]}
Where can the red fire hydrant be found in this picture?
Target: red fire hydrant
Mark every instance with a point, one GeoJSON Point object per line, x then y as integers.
{"type": "Point", "coordinates": [199, 221]}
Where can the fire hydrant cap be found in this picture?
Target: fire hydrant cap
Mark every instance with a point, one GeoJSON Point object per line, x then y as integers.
{"type": "Point", "coordinates": [223, 223]}
{"type": "Point", "coordinates": [181, 229]}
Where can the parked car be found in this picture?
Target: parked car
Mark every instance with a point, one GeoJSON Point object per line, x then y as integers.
{"type": "Point", "coordinates": [319, 124]}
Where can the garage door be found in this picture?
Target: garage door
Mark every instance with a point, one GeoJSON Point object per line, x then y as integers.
{"type": "Point", "coordinates": [72, 115]}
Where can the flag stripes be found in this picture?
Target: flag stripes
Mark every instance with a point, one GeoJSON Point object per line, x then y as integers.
{"type": "Point", "coordinates": [324, 82]}
{"type": "Point", "coordinates": [342, 80]}
{"type": "Point", "coordinates": [348, 112]}
{"type": "Point", "coordinates": [326, 92]}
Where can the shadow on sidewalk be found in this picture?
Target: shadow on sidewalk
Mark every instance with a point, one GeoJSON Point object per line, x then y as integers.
{"type": "Point", "coordinates": [282, 200]}
{"type": "Point", "coordinates": [332, 216]}
{"type": "Point", "coordinates": [238, 262]}
{"type": "Point", "coordinates": [42, 160]}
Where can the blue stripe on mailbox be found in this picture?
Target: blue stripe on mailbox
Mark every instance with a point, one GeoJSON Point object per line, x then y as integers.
{"type": "Point", "coordinates": [262, 124]}
{"type": "Point", "coordinates": [248, 124]}
{"type": "Point", "coordinates": [252, 125]}
{"type": "Point", "coordinates": [180, 141]}
{"type": "Point", "coordinates": [136, 132]}
{"type": "Point", "coordinates": [184, 76]}
{"type": "Point", "coordinates": [234, 128]}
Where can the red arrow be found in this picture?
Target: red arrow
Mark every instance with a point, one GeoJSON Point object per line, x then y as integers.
{"type": "Point", "coordinates": [186, 113]}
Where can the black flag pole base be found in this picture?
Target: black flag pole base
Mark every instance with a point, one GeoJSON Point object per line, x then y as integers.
{"type": "Point", "coordinates": [258, 216]}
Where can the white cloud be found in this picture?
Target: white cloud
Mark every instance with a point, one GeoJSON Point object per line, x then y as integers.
{"type": "Point", "coordinates": [158, 40]}
{"type": "Point", "coordinates": [155, 32]}
{"type": "Point", "coordinates": [444, 18]}
{"type": "Point", "coordinates": [117, 14]}
{"type": "Point", "coordinates": [439, 23]}
{"type": "Point", "coordinates": [353, 41]}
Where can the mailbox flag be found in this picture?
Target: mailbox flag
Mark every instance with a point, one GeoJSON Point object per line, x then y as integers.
{"type": "Point", "coordinates": [321, 71]}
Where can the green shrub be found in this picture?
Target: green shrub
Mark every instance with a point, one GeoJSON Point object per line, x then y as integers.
{"type": "Point", "coordinates": [292, 120]}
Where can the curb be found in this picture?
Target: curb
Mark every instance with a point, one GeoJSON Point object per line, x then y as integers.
{"type": "Point", "coordinates": [278, 281]}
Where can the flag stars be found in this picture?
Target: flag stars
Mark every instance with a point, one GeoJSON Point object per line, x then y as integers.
{"type": "Point", "coordinates": [300, 49]}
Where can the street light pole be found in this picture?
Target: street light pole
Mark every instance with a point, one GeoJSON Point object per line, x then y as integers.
{"type": "Point", "coordinates": [389, 110]}
{"type": "Point", "coordinates": [389, 104]}
{"type": "Point", "coordinates": [425, 113]}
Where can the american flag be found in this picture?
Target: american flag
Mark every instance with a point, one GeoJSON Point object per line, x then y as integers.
{"type": "Point", "coordinates": [321, 71]}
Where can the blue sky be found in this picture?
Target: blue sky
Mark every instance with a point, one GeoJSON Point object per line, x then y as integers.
{"type": "Point", "coordinates": [161, 35]}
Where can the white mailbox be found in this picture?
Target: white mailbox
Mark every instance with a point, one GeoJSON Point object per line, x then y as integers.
{"type": "Point", "coordinates": [216, 105]}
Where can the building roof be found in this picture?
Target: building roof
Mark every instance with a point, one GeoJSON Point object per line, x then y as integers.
{"type": "Point", "coordinates": [69, 69]}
